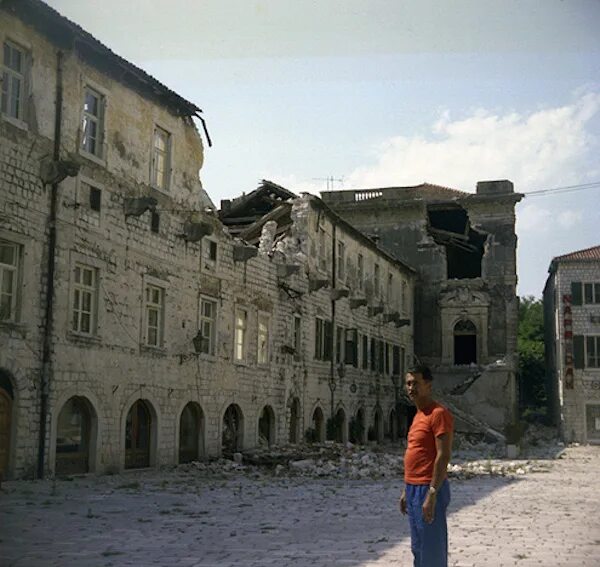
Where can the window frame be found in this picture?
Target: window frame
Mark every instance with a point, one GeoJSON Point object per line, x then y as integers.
{"type": "Point", "coordinates": [594, 339]}
{"type": "Point", "coordinates": [168, 159]}
{"type": "Point", "coordinates": [17, 270]}
{"type": "Point", "coordinates": [360, 271]}
{"type": "Point", "coordinates": [263, 351]}
{"type": "Point", "coordinates": [211, 321]}
{"type": "Point", "coordinates": [243, 345]}
{"type": "Point", "coordinates": [99, 120]}
{"type": "Point", "coordinates": [376, 279]}
{"type": "Point", "coordinates": [160, 309]}
{"type": "Point", "coordinates": [84, 188]}
{"type": "Point", "coordinates": [594, 295]}
{"type": "Point", "coordinates": [21, 118]}
{"type": "Point", "coordinates": [297, 336]}
{"type": "Point", "coordinates": [341, 261]}
{"type": "Point", "coordinates": [79, 290]}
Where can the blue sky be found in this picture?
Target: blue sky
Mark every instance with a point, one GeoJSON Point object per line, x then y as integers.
{"type": "Point", "coordinates": [386, 92]}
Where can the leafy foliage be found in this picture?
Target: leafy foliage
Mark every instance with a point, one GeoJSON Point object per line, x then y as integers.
{"type": "Point", "coordinates": [530, 345]}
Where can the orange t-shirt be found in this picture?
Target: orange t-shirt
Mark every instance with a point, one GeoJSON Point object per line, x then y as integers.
{"type": "Point", "coordinates": [433, 421]}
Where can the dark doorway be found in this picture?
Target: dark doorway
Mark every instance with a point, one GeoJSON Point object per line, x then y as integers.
{"type": "Point", "coordinates": [340, 435]}
{"type": "Point", "coordinates": [319, 425]}
{"type": "Point", "coordinates": [190, 433]}
{"type": "Point", "coordinates": [73, 438]}
{"type": "Point", "coordinates": [232, 437]}
{"type": "Point", "coordinates": [138, 436]}
{"type": "Point", "coordinates": [266, 426]}
{"type": "Point", "coordinates": [294, 436]}
{"type": "Point", "coordinates": [465, 343]}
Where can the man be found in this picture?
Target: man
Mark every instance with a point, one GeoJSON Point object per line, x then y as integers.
{"type": "Point", "coordinates": [427, 494]}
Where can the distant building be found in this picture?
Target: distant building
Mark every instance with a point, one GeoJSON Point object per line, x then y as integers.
{"type": "Point", "coordinates": [463, 246]}
{"type": "Point", "coordinates": [572, 338]}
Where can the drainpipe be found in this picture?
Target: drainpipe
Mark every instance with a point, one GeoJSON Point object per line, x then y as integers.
{"type": "Point", "coordinates": [333, 329]}
{"type": "Point", "coordinates": [50, 269]}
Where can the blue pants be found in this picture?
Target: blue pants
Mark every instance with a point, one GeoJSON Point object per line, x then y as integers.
{"type": "Point", "coordinates": [429, 542]}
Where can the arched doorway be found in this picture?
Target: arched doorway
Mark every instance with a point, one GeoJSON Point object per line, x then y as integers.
{"type": "Point", "coordinates": [295, 421]}
{"type": "Point", "coordinates": [191, 433]}
{"type": "Point", "coordinates": [377, 430]}
{"type": "Point", "coordinates": [266, 426]}
{"type": "Point", "coordinates": [233, 430]}
{"type": "Point", "coordinates": [138, 436]}
{"type": "Point", "coordinates": [318, 424]}
{"type": "Point", "coordinates": [393, 425]}
{"type": "Point", "coordinates": [357, 428]}
{"type": "Point", "coordinates": [340, 430]}
{"type": "Point", "coordinates": [6, 411]}
{"type": "Point", "coordinates": [407, 413]}
{"type": "Point", "coordinates": [73, 437]}
{"type": "Point", "coordinates": [465, 342]}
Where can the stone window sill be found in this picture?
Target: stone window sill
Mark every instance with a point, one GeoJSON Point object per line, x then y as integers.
{"type": "Point", "coordinates": [83, 338]}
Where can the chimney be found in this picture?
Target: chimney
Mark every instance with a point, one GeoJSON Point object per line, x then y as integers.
{"type": "Point", "coordinates": [500, 187]}
{"type": "Point", "coordinates": [225, 206]}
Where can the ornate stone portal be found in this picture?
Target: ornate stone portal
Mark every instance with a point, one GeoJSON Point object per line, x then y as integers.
{"type": "Point", "coordinates": [463, 301]}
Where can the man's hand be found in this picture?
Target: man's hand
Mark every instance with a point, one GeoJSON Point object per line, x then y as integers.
{"type": "Point", "coordinates": [429, 508]}
{"type": "Point", "coordinates": [402, 502]}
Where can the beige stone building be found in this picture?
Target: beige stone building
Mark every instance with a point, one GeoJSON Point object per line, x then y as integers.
{"type": "Point", "coordinates": [572, 340]}
{"type": "Point", "coordinates": [139, 328]}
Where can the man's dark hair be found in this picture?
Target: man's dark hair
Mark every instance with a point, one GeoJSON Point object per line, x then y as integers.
{"type": "Point", "coordinates": [423, 370]}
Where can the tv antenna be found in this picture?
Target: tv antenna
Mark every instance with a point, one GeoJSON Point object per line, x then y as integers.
{"type": "Point", "coordinates": [331, 180]}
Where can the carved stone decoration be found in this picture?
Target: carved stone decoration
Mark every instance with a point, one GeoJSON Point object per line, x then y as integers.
{"type": "Point", "coordinates": [244, 252]}
{"type": "Point", "coordinates": [315, 284]}
{"type": "Point", "coordinates": [195, 231]}
{"type": "Point", "coordinates": [137, 206]}
{"type": "Point", "coordinates": [56, 171]}
{"type": "Point", "coordinates": [402, 323]}
{"type": "Point", "coordinates": [356, 302]}
{"type": "Point", "coordinates": [286, 270]}
{"type": "Point", "coordinates": [338, 293]}
{"type": "Point", "coordinates": [464, 295]}
{"type": "Point", "coordinates": [375, 310]}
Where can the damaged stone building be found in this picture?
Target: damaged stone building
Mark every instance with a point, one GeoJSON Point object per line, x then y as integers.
{"type": "Point", "coordinates": [572, 341]}
{"type": "Point", "coordinates": [138, 326]}
{"type": "Point", "coordinates": [463, 246]}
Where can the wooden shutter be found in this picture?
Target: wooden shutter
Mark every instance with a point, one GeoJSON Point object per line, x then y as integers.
{"type": "Point", "coordinates": [576, 293]}
{"type": "Point", "coordinates": [578, 351]}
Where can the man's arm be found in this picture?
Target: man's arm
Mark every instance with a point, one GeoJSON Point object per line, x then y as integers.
{"type": "Point", "coordinates": [443, 446]}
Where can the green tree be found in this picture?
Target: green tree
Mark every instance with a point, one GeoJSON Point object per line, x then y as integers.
{"type": "Point", "coordinates": [530, 345]}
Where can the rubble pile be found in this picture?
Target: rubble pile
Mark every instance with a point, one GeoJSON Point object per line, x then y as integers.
{"type": "Point", "coordinates": [472, 456]}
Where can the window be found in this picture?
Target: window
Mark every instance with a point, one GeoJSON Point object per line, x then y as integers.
{"type": "Point", "coordinates": [241, 326]}
{"type": "Point", "coordinates": [322, 250]}
{"type": "Point", "coordinates": [297, 337]}
{"type": "Point", "coordinates": [390, 291]}
{"type": "Point", "coordinates": [161, 158]}
{"type": "Point", "coordinates": [360, 271]}
{"type": "Point", "coordinates": [591, 292]}
{"type": "Point", "coordinates": [376, 279]}
{"type": "Point", "coordinates": [592, 351]}
{"type": "Point", "coordinates": [339, 344]}
{"type": "Point", "coordinates": [154, 312]}
{"type": "Point", "coordinates": [14, 61]}
{"type": "Point", "coordinates": [92, 128]}
{"type": "Point", "coordinates": [323, 339]}
{"type": "Point", "coordinates": [396, 360]}
{"type": "Point", "coordinates": [380, 357]}
{"type": "Point", "coordinates": [9, 280]}
{"type": "Point", "coordinates": [387, 357]}
{"type": "Point", "coordinates": [154, 222]}
{"type": "Point", "coordinates": [208, 315]}
{"type": "Point", "coordinates": [351, 347]}
{"type": "Point", "coordinates": [365, 352]}
{"type": "Point", "coordinates": [262, 355]}
{"type": "Point", "coordinates": [404, 298]}
{"type": "Point", "coordinates": [341, 260]}
{"type": "Point", "coordinates": [85, 297]}
{"type": "Point", "coordinates": [373, 356]}
{"type": "Point", "coordinates": [95, 198]}
{"type": "Point", "coordinates": [212, 250]}
{"type": "Point", "coordinates": [210, 253]}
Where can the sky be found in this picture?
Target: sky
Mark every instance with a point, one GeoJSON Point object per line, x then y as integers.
{"type": "Point", "coordinates": [379, 93]}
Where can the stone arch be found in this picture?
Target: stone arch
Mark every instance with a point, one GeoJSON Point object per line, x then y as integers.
{"type": "Point", "coordinates": [357, 430]}
{"type": "Point", "coordinates": [266, 426]}
{"type": "Point", "coordinates": [340, 426]}
{"type": "Point", "coordinates": [295, 420]}
{"type": "Point", "coordinates": [140, 434]}
{"type": "Point", "coordinates": [8, 422]}
{"type": "Point", "coordinates": [376, 429]}
{"type": "Point", "coordinates": [76, 432]}
{"type": "Point", "coordinates": [318, 424]}
{"type": "Point", "coordinates": [465, 342]}
{"type": "Point", "coordinates": [190, 433]}
{"type": "Point", "coordinates": [393, 429]}
{"type": "Point", "coordinates": [232, 430]}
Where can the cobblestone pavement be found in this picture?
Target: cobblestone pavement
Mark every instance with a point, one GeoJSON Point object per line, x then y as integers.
{"type": "Point", "coordinates": [180, 519]}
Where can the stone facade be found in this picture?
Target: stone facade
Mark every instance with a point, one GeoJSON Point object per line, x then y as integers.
{"type": "Point", "coordinates": [169, 339]}
{"type": "Point", "coordinates": [572, 340]}
{"type": "Point", "coordinates": [464, 248]}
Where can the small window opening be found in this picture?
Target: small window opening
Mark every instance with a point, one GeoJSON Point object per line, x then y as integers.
{"type": "Point", "coordinates": [155, 222]}
{"type": "Point", "coordinates": [465, 343]}
{"type": "Point", "coordinates": [95, 199]}
{"type": "Point", "coordinates": [451, 228]}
